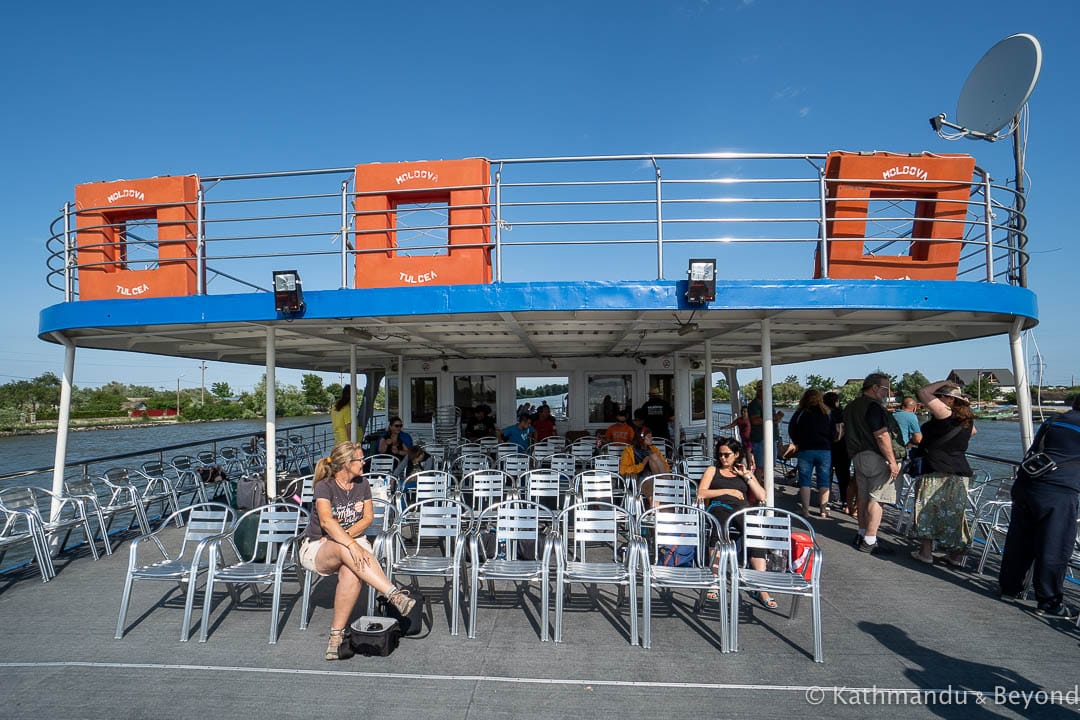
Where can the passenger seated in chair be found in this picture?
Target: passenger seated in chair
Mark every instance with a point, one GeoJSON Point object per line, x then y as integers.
{"type": "Point", "coordinates": [621, 431]}
{"type": "Point", "coordinates": [643, 459]}
{"type": "Point", "coordinates": [394, 441]}
{"type": "Point", "coordinates": [727, 487]}
{"type": "Point", "coordinates": [334, 541]}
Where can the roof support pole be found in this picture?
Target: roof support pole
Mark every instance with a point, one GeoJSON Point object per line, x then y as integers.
{"type": "Point", "coordinates": [1023, 386]}
{"type": "Point", "coordinates": [63, 423]}
{"type": "Point", "coordinates": [271, 413]}
{"type": "Point", "coordinates": [353, 421]}
{"type": "Point", "coordinates": [709, 432]}
{"type": "Point", "coordinates": [734, 392]}
{"type": "Point", "coordinates": [769, 451]}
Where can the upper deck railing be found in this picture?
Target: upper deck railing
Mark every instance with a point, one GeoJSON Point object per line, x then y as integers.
{"type": "Point", "coordinates": [763, 217]}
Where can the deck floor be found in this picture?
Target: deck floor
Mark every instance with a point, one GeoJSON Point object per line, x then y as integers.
{"type": "Point", "coordinates": [889, 623]}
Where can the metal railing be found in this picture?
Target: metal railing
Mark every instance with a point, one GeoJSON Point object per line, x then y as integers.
{"type": "Point", "coordinates": [762, 217]}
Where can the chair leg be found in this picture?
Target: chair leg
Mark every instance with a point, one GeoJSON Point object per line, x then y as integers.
{"type": "Point", "coordinates": [474, 581]}
{"type": "Point", "coordinates": [208, 598]}
{"type": "Point", "coordinates": [558, 604]}
{"type": "Point", "coordinates": [189, 604]}
{"type": "Point", "coordinates": [819, 652]}
{"type": "Point", "coordinates": [794, 606]}
{"type": "Point", "coordinates": [306, 605]}
{"type": "Point", "coordinates": [124, 600]}
{"type": "Point", "coordinates": [275, 605]}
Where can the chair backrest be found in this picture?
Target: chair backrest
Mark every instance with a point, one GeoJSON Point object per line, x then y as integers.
{"type": "Point", "coordinates": [562, 463]}
{"type": "Point", "coordinates": [506, 448]}
{"type": "Point", "coordinates": [670, 489]}
{"type": "Point", "coordinates": [206, 458]}
{"type": "Point", "coordinates": [277, 524]}
{"type": "Point", "coordinates": [383, 516]}
{"type": "Point", "coordinates": [692, 450]}
{"type": "Point", "coordinates": [600, 523]}
{"type": "Point", "coordinates": [609, 463]}
{"type": "Point", "coordinates": [582, 451]}
{"type": "Point", "coordinates": [229, 454]}
{"type": "Point", "coordinates": [470, 448]}
{"type": "Point", "coordinates": [695, 467]}
{"type": "Point", "coordinates": [153, 468]}
{"type": "Point", "coordinates": [558, 442]}
{"type": "Point", "coordinates": [436, 519]}
{"type": "Point", "coordinates": [597, 485]}
{"type": "Point", "coordinates": [81, 487]}
{"type": "Point", "coordinates": [768, 529]}
{"type": "Point", "coordinates": [485, 487]}
{"type": "Point", "coordinates": [514, 464]}
{"type": "Point", "coordinates": [679, 525]}
{"type": "Point", "coordinates": [204, 520]}
{"type": "Point", "coordinates": [182, 463]}
{"type": "Point", "coordinates": [438, 455]}
{"type": "Point", "coordinates": [471, 462]}
{"type": "Point", "coordinates": [20, 499]}
{"type": "Point", "coordinates": [664, 445]}
{"type": "Point", "coordinates": [381, 484]}
{"type": "Point", "coordinates": [546, 486]}
{"type": "Point", "coordinates": [488, 444]}
{"type": "Point", "coordinates": [614, 448]}
{"type": "Point", "coordinates": [429, 484]}
{"type": "Point", "coordinates": [382, 463]}
{"type": "Point", "coordinates": [516, 521]}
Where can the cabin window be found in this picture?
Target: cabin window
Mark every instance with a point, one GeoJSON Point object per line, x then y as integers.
{"type": "Point", "coordinates": [473, 390]}
{"type": "Point", "coordinates": [608, 393]}
{"type": "Point", "coordinates": [699, 400]}
{"type": "Point", "coordinates": [424, 396]}
{"type": "Point", "coordinates": [392, 402]}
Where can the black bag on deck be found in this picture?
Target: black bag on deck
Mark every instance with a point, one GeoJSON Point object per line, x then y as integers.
{"type": "Point", "coordinates": [411, 624]}
{"type": "Point", "coordinates": [250, 491]}
{"type": "Point", "coordinates": [374, 636]}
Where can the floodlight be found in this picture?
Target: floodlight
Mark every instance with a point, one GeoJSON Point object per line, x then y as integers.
{"type": "Point", "coordinates": [702, 287]}
{"type": "Point", "coordinates": [288, 292]}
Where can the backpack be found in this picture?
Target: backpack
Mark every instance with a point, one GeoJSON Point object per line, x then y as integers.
{"type": "Point", "coordinates": [250, 491]}
{"type": "Point", "coordinates": [373, 636]}
{"type": "Point", "coordinates": [677, 555]}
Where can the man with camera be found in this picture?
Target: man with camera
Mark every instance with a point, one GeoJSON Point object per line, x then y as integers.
{"type": "Point", "coordinates": [1042, 527]}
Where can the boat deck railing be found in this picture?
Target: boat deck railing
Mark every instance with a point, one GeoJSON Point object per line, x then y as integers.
{"type": "Point", "coordinates": [762, 217]}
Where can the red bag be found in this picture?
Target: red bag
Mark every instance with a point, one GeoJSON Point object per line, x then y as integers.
{"type": "Point", "coordinates": [802, 553]}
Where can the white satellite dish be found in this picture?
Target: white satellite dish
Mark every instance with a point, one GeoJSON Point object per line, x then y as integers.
{"type": "Point", "coordinates": [997, 88]}
{"type": "Point", "coordinates": [1000, 84]}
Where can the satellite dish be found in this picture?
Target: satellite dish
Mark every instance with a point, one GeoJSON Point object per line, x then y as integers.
{"type": "Point", "coordinates": [999, 85]}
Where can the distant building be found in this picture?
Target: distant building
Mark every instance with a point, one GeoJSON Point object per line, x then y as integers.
{"type": "Point", "coordinates": [999, 378]}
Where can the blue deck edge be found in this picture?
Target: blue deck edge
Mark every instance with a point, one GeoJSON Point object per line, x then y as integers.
{"type": "Point", "coordinates": [900, 295]}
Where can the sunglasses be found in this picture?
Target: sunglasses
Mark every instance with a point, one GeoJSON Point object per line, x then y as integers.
{"type": "Point", "coordinates": [397, 425]}
{"type": "Point", "coordinates": [727, 454]}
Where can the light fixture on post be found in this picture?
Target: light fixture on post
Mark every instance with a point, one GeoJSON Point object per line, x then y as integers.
{"type": "Point", "coordinates": [288, 292]}
{"type": "Point", "coordinates": [702, 286]}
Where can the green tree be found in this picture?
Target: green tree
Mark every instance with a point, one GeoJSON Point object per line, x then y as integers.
{"type": "Point", "coordinates": [720, 390]}
{"type": "Point", "coordinates": [820, 382]}
{"type": "Point", "coordinates": [850, 391]}
{"type": "Point", "coordinates": [788, 392]}
{"type": "Point", "coordinates": [315, 394]}
{"type": "Point", "coordinates": [221, 390]}
{"type": "Point", "coordinates": [980, 392]}
{"type": "Point", "coordinates": [909, 384]}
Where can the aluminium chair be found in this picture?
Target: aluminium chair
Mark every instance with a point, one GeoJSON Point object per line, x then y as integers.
{"type": "Point", "coordinates": [428, 540]}
{"type": "Point", "coordinates": [176, 562]}
{"type": "Point", "coordinates": [600, 549]}
{"type": "Point", "coordinates": [55, 517]}
{"type": "Point", "coordinates": [769, 529]}
{"type": "Point", "coordinates": [271, 558]}
{"type": "Point", "coordinates": [686, 526]}
{"type": "Point", "coordinates": [518, 524]}
{"type": "Point", "coordinates": [17, 528]}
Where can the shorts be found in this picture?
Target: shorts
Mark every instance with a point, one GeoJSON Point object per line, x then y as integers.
{"type": "Point", "coordinates": [817, 462]}
{"type": "Point", "coordinates": [309, 549]}
{"type": "Point", "coordinates": [872, 477]}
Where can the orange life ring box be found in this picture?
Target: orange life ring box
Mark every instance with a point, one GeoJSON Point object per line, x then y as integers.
{"type": "Point", "coordinates": [460, 185]}
{"type": "Point", "coordinates": [103, 210]}
{"type": "Point", "coordinates": [939, 185]}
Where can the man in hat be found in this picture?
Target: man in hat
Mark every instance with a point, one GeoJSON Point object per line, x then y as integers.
{"type": "Point", "coordinates": [658, 414]}
{"type": "Point", "coordinates": [1042, 526]}
{"type": "Point", "coordinates": [621, 431]}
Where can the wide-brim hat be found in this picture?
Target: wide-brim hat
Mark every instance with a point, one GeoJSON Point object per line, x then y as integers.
{"type": "Point", "coordinates": [952, 392]}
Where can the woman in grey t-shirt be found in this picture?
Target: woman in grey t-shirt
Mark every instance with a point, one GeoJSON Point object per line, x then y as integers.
{"type": "Point", "coordinates": [334, 540]}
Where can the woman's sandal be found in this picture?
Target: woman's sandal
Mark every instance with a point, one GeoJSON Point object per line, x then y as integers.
{"type": "Point", "coordinates": [712, 596]}
{"type": "Point", "coordinates": [916, 555]}
{"type": "Point", "coordinates": [766, 601]}
{"type": "Point", "coordinates": [824, 513]}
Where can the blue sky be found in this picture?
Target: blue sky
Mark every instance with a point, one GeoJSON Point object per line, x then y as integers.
{"type": "Point", "coordinates": [96, 92]}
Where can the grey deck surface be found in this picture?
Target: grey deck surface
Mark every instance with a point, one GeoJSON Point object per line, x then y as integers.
{"type": "Point", "coordinates": [890, 623]}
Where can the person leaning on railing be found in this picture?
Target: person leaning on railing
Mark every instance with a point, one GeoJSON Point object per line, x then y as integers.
{"type": "Point", "coordinates": [334, 540]}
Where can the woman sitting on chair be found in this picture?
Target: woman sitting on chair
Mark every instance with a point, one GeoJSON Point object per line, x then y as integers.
{"type": "Point", "coordinates": [643, 460]}
{"type": "Point", "coordinates": [727, 487]}
{"type": "Point", "coordinates": [334, 540]}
